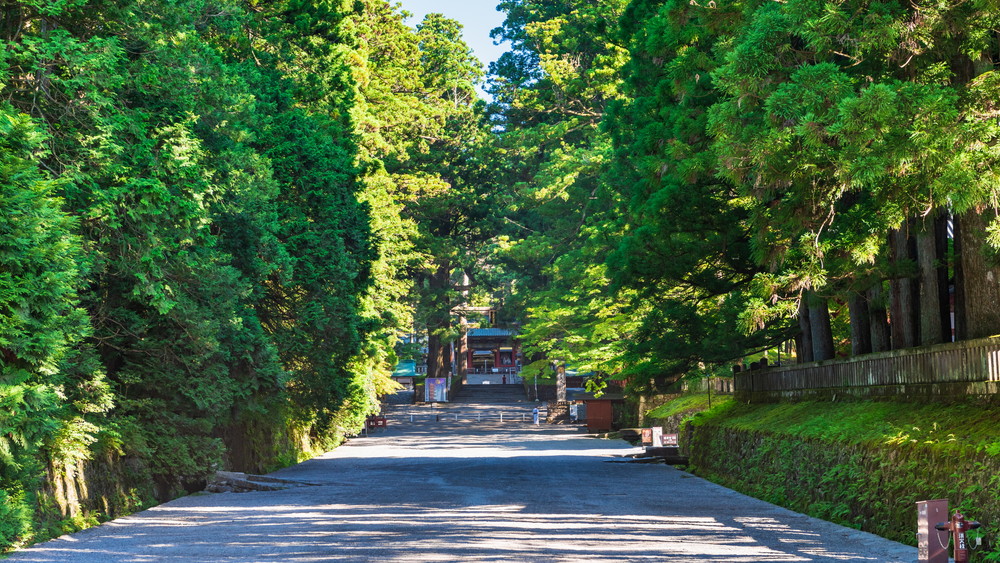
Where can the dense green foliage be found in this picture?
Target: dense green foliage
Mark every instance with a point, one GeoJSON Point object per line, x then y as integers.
{"type": "Point", "coordinates": [198, 198]}
{"type": "Point", "coordinates": [219, 216]}
{"type": "Point", "coordinates": [561, 217]}
{"type": "Point", "coordinates": [39, 313]}
{"type": "Point", "coordinates": [694, 183]}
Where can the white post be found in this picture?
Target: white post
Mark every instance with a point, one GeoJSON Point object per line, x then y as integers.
{"type": "Point", "coordinates": [501, 416]}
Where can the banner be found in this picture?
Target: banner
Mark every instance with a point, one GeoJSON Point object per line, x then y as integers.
{"type": "Point", "coordinates": [436, 390]}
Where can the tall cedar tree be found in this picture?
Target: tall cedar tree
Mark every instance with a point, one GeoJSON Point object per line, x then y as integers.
{"type": "Point", "coordinates": [687, 248]}
{"type": "Point", "coordinates": [551, 92]}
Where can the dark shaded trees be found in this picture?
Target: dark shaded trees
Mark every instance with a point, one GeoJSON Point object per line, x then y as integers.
{"type": "Point", "coordinates": [806, 160]}
{"type": "Point", "coordinates": [208, 157]}
{"type": "Point", "coordinates": [688, 248]}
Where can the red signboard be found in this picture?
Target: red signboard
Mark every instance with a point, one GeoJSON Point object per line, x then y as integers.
{"type": "Point", "coordinates": [647, 436]}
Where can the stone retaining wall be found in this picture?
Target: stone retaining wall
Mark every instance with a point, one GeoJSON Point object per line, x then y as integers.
{"type": "Point", "coordinates": [870, 486]}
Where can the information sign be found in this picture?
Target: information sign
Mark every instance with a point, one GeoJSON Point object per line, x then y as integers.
{"type": "Point", "coordinates": [436, 390]}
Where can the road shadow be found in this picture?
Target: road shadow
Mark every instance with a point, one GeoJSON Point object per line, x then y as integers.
{"type": "Point", "coordinates": [464, 492]}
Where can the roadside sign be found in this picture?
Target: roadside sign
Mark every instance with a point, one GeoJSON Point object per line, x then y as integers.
{"type": "Point", "coordinates": [932, 544]}
{"type": "Point", "coordinates": [436, 390]}
{"type": "Point", "coordinates": [647, 436]}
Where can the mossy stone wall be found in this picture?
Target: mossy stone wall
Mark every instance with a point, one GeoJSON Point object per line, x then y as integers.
{"type": "Point", "coordinates": [868, 484]}
{"type": "Point", "coordinates": [86, 492]}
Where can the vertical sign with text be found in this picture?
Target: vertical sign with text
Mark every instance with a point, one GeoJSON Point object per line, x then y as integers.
{"type": "Point", "coordinates": [436, 390]}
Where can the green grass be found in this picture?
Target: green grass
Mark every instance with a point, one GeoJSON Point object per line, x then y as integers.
{"type": "Point", "coordinates": [542, 380]}
{"type": "Point", "coordinates": [691, 402]}
{"type": "Point", "coordinates": [958, 425]}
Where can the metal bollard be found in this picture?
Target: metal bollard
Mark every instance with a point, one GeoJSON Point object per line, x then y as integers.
{"type": "Point", "coordinates": [456, 417]}
{"type": "Point", "coordinates": [411, 417]}
{"type": "Point", "coordinates": [501, 416]}
{"type": "Point", "coordinates": [957, 527]}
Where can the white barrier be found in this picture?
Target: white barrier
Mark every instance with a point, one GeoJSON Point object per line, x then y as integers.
{"type": "Point", "coordinates": [469, 417]}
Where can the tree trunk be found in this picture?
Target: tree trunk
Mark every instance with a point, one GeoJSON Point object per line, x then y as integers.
{"type": "Point", "coordinates": [980, 282]}
{"type": "Point", "coordinates": [961, 330]}
{"type": "Point", "coordinates": [462, 344]}
{"type": "Point", "coordinates": [861, 329]}
{"type": "Point", "coordinates": [561, 382]}
{"type": "Point", "coordinates": [902, 310]}
{"type": "Point", "coordinates": [881, 335]}
{"type": "Point", "coordinates": [944, 279]}
{"type": "Point", "coordinates": [822, 335]}
{"type": "Point", "coordinates": [803, 341]}
{"type": "Point", "coordinates": [462, 355]}
{"type": "Point", "coordinates": [438, 364]}
{"type": "Point", "coordinates": [931, 331]}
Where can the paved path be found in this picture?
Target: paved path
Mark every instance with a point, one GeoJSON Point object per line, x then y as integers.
{"type": "Point", "coordinates": [472, 491]}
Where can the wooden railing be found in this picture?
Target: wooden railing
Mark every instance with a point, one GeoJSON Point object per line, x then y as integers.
{"type": "Point", "coordinates": [944, 370]}
{"type": "Point", "coordinates": [717, 385]}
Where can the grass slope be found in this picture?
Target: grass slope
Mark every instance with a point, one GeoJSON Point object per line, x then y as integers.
{"type": "Point", "coordinates": [861, 464]}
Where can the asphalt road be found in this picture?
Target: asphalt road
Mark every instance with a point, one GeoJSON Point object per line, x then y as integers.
{"type": "Point", "coordinates": [438, 489]}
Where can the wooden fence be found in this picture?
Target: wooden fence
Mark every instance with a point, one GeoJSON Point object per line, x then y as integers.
{"type": "Point", "coordinates": [934, 372]}
{"type": "Point", "coordinates": [715, 385]}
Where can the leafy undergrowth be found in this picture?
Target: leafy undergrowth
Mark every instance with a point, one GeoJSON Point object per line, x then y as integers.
{"type": "Point", "coordinates": [861, 464]}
